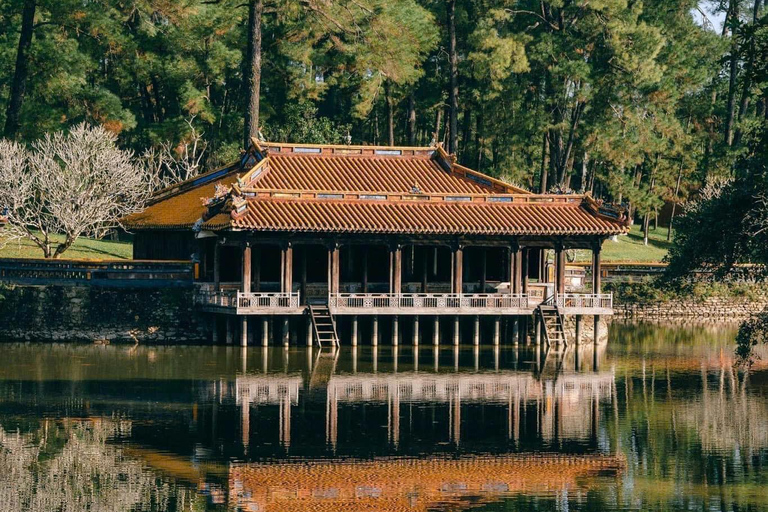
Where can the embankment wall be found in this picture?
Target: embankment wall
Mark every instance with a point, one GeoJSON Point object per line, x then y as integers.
{"type": "Point", "coordinates": [94, 313]}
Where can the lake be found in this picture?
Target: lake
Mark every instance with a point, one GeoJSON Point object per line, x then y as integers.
{"type": "Point", "coordinates": [659, 419]}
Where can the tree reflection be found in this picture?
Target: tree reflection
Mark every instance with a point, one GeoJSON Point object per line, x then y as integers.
{"type": "Point", "coordinates": [71, 465]}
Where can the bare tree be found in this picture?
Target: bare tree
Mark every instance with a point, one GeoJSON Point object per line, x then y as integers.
{"type": "Point", "coordinates": [168, 164]}
{"type": "Point", "coordinates": [71, 184]}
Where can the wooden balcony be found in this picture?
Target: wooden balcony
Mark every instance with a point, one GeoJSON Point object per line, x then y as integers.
{"type": "Point", "coordinates": [235, 302]}
{"type": "Point", "coordinates": [585, 303]}
{"type": "Point", "coordinates": [429, 303]}
{"type": "Point", "coordinates": [256, 303]}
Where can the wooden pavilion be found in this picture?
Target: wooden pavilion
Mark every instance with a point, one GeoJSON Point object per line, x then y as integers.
{"type": "Point", "coordinates": [362, 232]}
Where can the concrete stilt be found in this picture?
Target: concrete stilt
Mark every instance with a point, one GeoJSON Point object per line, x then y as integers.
{"type": "Point", "coordinates": [597, 329]}
{"type": "Point", "coordinates": [476, 331]}
{"type": "Point", "coordinates": [395, 331]}
{"type": "Point", "coordinates": [416, 331]}
{"type": "Point", "coordinates": [264, 332]}
{"type": "Point", "coordinates": [496, 331]}
{"type": "Point", "coordinates": [309, 331]}
{"type": "Point", "coordinates": [244, 331]}
{"type": "Point", "coordinates": [577, 337]}
{"type": "Point", "coordinates": [215, 331]}
{"type": "Point", "coordinates": [354, 330]}
{"type": "Point", "coordinates": [456, 331]}
{"type": "Point", "coordinates": [286, 333]}
{"type": "Point", "coordinates": [375, 331]}
{"type": "Point", "coordinates": [271, 331]}
{"type": "Point", "coordinates": [230, 334]}
{"type": "Point", "coordinates": [436, 331]}
{"type": "Point", "coordinates": [516, 331]}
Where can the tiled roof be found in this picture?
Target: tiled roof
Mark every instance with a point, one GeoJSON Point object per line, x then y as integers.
{"type": "Point", "coordinates": [565, 217]}
{"type": "Point", "coordinates": [367, 189]}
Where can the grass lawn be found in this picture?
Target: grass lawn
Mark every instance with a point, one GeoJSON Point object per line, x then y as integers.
{"type": "Point", "coordinates": [630, 247]}
{"type": "Point", "coordinates": [83, 248]}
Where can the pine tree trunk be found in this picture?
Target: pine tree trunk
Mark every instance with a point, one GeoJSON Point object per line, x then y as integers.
{"type": "Point", "coordinates": [438, 121]}
{"type": "Point", "coordinates": [453, 92]}
{"type": "Point", "coordinates": [730, 112]}
{"type": "Point", "coordinates": [479, 138]}
{"type": "Point", "coordinates": [411, 120]}
{"type": "Point", "coordinates": [253, 80]}
{"type": "Point", "coordinates": [747, 85]}
{"type": "Point", "coordinates": [19, 83]}
{"type": "Point", "coordinates": [544, 164]}
{"type": "Point", "coordinates": [390, 114]}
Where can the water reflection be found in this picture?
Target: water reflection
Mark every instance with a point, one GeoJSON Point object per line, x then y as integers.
{"type": "Point", "coordinates": [659, 419]}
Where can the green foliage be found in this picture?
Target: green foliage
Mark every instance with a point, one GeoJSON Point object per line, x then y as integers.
{"type": "Point", "coordinates": [301, 124]}
{"type": "Point", "coordinates": [625, 100]}
{"type": "Point", "coordinates": [751, 333]}
{"type": "Point", "coordinates": [730, 224]}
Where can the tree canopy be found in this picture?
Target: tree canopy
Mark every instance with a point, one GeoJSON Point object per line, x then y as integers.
{"type": "Point", "coordinates": [640, 103]}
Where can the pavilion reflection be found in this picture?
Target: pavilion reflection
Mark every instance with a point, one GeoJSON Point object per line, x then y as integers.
{"type": "Point", "coordinates": [552, 405]}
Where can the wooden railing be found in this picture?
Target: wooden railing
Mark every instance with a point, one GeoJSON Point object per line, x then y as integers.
{"type": "Point", "coordinates": [264, 300]}
{"type": "Point", "coordinates": [585, 300]}
{"type": "Point", "coordinates": [113, 273]}
{"type": "Point", "coordinates": [427, 301]}
{"type": "Point", "coordinates": [248, 302]}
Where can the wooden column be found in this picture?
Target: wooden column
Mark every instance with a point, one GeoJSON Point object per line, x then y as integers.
{"type": "Point", "coordinates": [596, 288]}
{"type": "Point", "coordinates": [257, 269]}
{"type": "Point", "coordinates": [246, 268]}
{"type": "Point", "coordinates": [216, 265]}
{"type": "Point", "coordinates": [524, 270]}
{"type": "Point", "coordinates": [483, 268]}
{"type": "Point", "coordinates": [287, 269]}
{"type": "Point", "coordinates": [458, 269]}
{"type": "Point", "coordinates": [396, 261]}
{"type": "Point", "coordinates": [333, 269]}
{"type": "Point", "coordinates": [303, 289]}
{"type": "Point", "coordinates": [596, 277]}
{"type": "Point", "coordinates": [559, 269]}
{"type": "Point", "coordinates": [246, 285]}
{"type": "Point", "coordinates": [424, 273]}
{"type": "Point", "coordinates": [365, 269]}
{"type": "Point", "coordinates": [515, 268]}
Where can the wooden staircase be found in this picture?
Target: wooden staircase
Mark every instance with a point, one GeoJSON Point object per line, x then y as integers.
{"type": "Point", "coordinates": [323, 325]}
{"type": "Point", "coordinates": [552, 322]}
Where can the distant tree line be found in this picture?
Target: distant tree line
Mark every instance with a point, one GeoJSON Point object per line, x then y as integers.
{"type": "Point", "coordinates": [639, 103]}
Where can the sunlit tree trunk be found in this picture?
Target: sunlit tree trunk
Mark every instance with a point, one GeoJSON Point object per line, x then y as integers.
{"type": "Point", "coordinates": [453, 92]}
{"type": "Point", "coordinates": [253, 74]}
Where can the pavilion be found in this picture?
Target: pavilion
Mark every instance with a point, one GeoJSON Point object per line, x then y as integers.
{"type": "Point", "coordinates": [310, 234]}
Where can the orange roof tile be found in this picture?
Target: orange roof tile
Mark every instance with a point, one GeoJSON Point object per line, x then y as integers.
{"type": "Point", "coordinates": [422, 217]}
{"type": "Point", "coordinates": [366, 189]}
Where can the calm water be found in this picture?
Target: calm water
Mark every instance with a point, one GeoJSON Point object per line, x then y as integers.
{"type": "Point", "coordinates": [657, 420]}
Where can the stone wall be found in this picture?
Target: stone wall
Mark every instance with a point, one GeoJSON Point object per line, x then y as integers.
{"type": "Point", "coordinates": [93, 313]}
{"type": "Point", "coordinates": [713, 308]}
